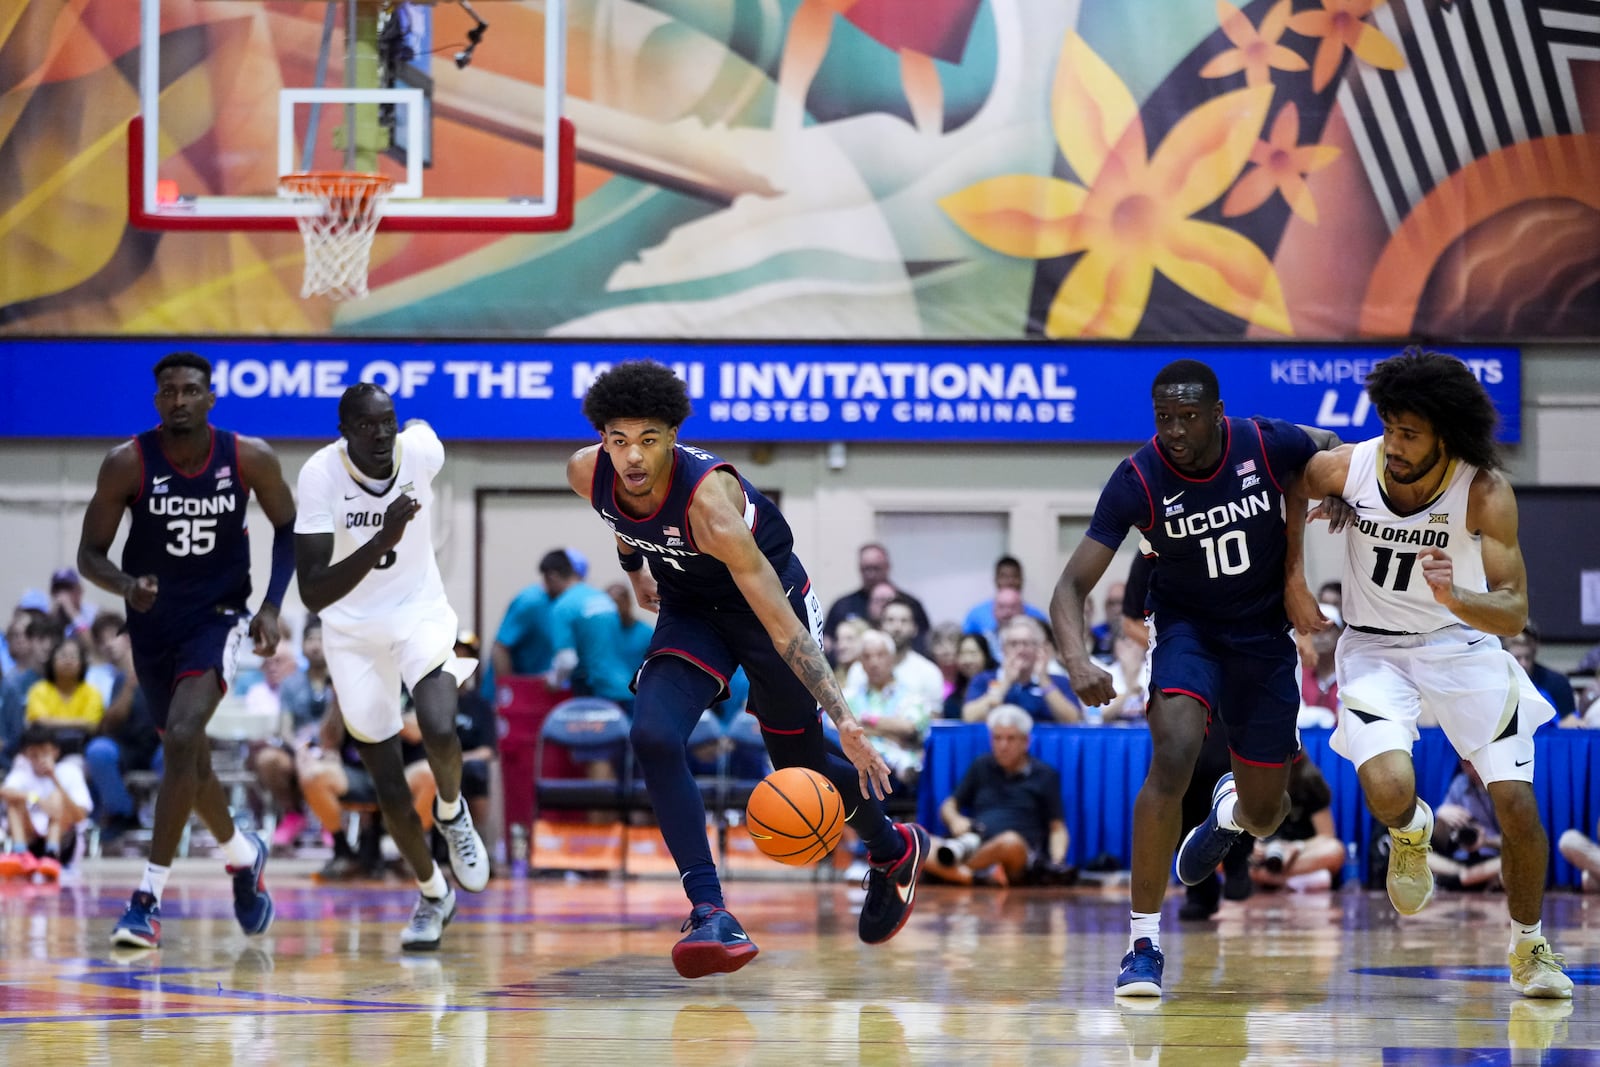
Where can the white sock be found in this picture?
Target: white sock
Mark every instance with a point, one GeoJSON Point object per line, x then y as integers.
{"type": "Point", "coordinates": [1521, 933]}
{"type": "Point", "coordinates": [446, 811]}
{"type": "Point", "coordinates": [1144, 924]}
{"type": "Point", "coordinates": [1225, 809]}
{"type": "Point", "coordinates": [154, 880]}
{"type": "Point", "coordinates": [434, 887]}
{"type": "Point", "coordinates": [1419, 819]}
{"type": "Point", "coordinates": [239, 851]}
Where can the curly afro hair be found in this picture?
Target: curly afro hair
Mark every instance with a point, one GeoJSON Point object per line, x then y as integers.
{"type": "Point", "coordinates": [1442, 389]}
{"type": "Point", "coordinates": [637, 389]}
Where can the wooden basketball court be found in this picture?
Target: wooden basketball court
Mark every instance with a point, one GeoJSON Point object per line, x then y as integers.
{"type": "Point", "coordinates": [559, 971]}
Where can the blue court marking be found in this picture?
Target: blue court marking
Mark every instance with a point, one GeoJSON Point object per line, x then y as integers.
{"type": "Point", "coordinates": [1489, 1057]}
{"type": "Point", "coordinates": [1581, 974]}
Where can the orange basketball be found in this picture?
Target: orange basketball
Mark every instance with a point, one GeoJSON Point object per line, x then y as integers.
{"type": "Point", "coordinates": [795, 816]}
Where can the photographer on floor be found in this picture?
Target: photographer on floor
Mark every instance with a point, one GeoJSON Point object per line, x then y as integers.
{"type": "Point", "coordinates": [1005, 817]}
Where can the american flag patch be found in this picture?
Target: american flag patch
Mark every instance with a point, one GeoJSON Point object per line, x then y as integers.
{"type": "Point", "coordinates": [1247, 467]}
{"type": "Point", "coordinates": [224, 472]}
{"type": "Point", "coordinates": [671, 531]}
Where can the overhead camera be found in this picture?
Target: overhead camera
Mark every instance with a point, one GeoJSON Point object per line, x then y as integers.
{"type": "Point", "coordinates": [474, 36]}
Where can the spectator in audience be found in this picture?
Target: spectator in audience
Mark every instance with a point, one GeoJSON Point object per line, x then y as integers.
{"type": "Point", "coordinates": [102, 673]}
{"type": "Point", "coordinates": [1306, 854]}
{"type": "Point", "coordinates": [67, 604]}
{"type": "Point", "coordinates": [914, 671]}
{"type": "Point", "coordinates": [1466, 835]}
{"type": "Point", "coordinates": [1006, 815]}
{"type": "Point", "coordinates": [478, 730]}
{"type": "Point", "coordinates": [1024, 679]}
{"type": "Point", "coordinates": [1103, 635]}
{"type": "Point", "coordinates": [522, 644]}
{"type": "Point", "coordinates": [586, 633]}
{"type": "Point", "coordinates": [1130, 677]}
{"type": "Point", "coordinates": [942, 642]}
{"type": "Point", "coordinates": [30, 640]}
{"type": "Point", "coordinates": [847, 647]}
{"type": "Point", "coordinates": [1583, 853]}
{"type": "Point", "coordinates": [636, 633]}
{"type": "Point", "coordinates": [1551, 683]}
{"type": "Point", "coordinates": [982, 618]}
{"type": "Point", "coordinates": [62, 700]}
{"type": "Point", "coordinates": [894, 714]}
{"type": "Point", "coordinates": [297, 701]}
{"type": "Point", "coordinates": [127, 740]}
{"type": "Point", "coordinates": [1006, 605]}
{"type": "Point", "coordinates": [873, 564]}
{"type": "Point", "coordinates": [45, 799]}
{"type": "Point", "coordinates": [973, 658]}
{"type": "Point", "coordinates": [1319, 683]}
{"type": "Point", "coordinates": [17, 629]}
{"type": "Point", "coordinates": [1331, 593]}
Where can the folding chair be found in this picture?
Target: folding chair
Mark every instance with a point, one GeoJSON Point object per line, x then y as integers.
{"type": "Point", "coordinates": [589, 725]}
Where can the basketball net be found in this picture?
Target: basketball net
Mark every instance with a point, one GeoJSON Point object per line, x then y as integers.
{"type": "Point", "coordinates": [339, 239]}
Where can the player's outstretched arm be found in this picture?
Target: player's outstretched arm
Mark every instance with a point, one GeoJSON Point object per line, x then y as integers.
{"type": "Point", "coordinates": [262, 472]}
{"type": "Point", "coordinates": [1492, 515]}
{"type": "Point", "coordinates": [1083, 570]}
{"type": "Point", "coordinates": [717, 517]}
{"type": "Point", "coordinates": [116, 487]}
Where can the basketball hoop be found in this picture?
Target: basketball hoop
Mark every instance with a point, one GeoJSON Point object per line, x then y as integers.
{"type": "Point", "coordinates": [338, 239]}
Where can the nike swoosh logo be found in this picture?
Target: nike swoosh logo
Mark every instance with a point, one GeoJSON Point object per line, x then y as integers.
{"type": "Point", "coordinates": [1479, 641]}
{"type": "Point", "coordinates": [1174, 496]}
{"type": "Point", "coordinates": [1524, 763]}
{"type": "Point", "coordinates": [351, 496]}
{"type": "Point", "coordinates": [604, 514]}
{"type": "Point", "coordinates": [740, 937]}
{"type": "Point", "coordinates": [789, 591]}
{"type": "Point", "coordinates": [161, 479]}
{"type": "Point", "coordinates": [907, 892]}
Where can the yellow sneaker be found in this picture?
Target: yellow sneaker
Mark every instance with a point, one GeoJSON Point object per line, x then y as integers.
{"type": "Point", "coordinates": [1410, 881]}
{"type": "Point", "coordinates": [1536, 971]}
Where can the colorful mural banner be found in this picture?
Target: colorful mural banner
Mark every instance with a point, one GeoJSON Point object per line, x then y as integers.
{"type": "Point", "coordinates": [985, 170]}
{"type": "Point", "coordinates": [533, 391]}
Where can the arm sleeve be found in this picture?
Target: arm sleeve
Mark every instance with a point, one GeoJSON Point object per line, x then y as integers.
{"type": "Point", "coordinates": [314, 501]}
{"type": "Point", "coordinates": [1124, 502]}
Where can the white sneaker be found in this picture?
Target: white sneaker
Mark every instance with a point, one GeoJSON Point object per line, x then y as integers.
{"type": "Point", "coordinates": [1410, 881]}
{"type": "Point", "coordinates": [1536, 971]}
{"type": "Point", "coordinates": [469, 860]}
{"type": "Point", "coordinates": [428, 920]}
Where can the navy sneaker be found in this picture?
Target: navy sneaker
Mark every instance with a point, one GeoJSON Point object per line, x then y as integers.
{"type": "Point", "coordinates": [252, 904]}
{"type": "Point", "coordinates": [1141, 971]}
{"type": "Point", "coordinates": [1207, 843]}
{"type": "Point", "coordinates": [892, 888]}
{"type": "Point", "coordinates": [140, 925]}
{"type": "Point", "coordinates": [716, 944]}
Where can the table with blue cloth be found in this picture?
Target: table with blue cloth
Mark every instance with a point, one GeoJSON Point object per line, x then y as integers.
{"type": "Point", "coordinates": [1102, 768]}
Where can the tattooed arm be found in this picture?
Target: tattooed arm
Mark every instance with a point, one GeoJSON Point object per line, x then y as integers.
{"type": "Point", "coordinates": [717, 516]}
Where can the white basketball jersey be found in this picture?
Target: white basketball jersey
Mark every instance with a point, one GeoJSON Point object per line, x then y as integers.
{"type": "Point", "coordinates": [334, 498]}
{"type": "Point", "coordinates": [1383, 584]}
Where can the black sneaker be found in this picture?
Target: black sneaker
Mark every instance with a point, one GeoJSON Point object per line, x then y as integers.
{"type": "Point", "coordinates": [716, 944]}
{"type": "Point", "coordinates": [892, 888]}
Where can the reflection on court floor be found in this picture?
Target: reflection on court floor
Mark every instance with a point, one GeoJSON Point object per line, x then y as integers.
{"type": "Point", "coordinates": [553, 972]}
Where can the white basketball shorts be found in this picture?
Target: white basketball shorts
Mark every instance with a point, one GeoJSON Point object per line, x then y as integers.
{"type": "Point", "coordinates": [368, 665]}
{"type": "Point", "coordinates": [1479, 694]}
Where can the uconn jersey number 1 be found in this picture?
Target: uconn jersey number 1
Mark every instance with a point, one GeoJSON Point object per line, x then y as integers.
{"type": "Point", "coordinates": [1217, 539]}
{"type": "Point", "coordinates": [189, 531]}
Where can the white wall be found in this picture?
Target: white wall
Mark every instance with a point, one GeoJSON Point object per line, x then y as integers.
{"type": "Point", "coordinates": [1041, 494]}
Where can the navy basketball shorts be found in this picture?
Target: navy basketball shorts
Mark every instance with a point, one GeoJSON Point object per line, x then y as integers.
{"type": "Point", "coordinates": [1245, 675]}
{"type": "Point", "coordinates": [720, 638]}
{"type": "Point", "coordinates": [166, 654]}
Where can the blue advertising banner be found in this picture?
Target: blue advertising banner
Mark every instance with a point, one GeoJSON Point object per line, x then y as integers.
{"type": "Point", "coordinates": [533, 391]}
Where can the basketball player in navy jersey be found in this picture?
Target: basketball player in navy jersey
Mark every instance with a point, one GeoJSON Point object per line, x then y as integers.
{"type": "Point", "coordinates": [1207, 494]}
{"type": "Point", "coordinates": [730, 592]}
{"type": "Point", "coordinates": [1432, 571]}
{"type": "Point", "coordinates": [185, 575]}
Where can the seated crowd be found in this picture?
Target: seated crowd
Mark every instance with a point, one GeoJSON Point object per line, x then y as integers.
{"type": "Point", "coordinates": [73, 723]}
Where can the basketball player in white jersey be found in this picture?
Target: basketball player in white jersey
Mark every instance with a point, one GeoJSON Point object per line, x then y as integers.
{"type": "Point", "coordinates": [385, 621]}
{"type": "Point", "coordinates": [1432, 573]}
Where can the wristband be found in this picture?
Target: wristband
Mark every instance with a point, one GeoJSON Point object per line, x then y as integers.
{"type": "Point", "coordinates": [630, 561]}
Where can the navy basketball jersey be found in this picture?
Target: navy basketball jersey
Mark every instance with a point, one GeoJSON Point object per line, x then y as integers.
{"type": "Point", "coordinates": [189, 531]}
{"type": "Point", "coordinates": [1217, 541]}
{"type": "Point", "coordinates": [684, 575]}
